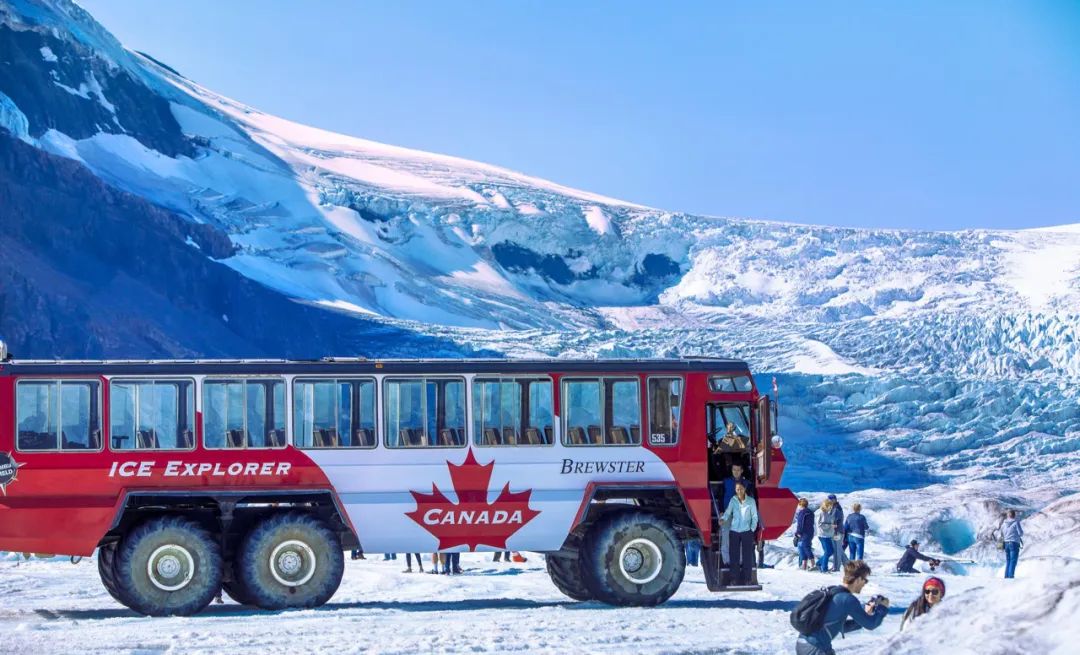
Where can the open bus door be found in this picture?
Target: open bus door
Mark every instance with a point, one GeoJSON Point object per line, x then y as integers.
{"type": "Point", "coordinates": [762, 440]}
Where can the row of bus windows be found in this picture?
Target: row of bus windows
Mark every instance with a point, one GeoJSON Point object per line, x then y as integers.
{"type": "Point", "coordinates": [340, 413]}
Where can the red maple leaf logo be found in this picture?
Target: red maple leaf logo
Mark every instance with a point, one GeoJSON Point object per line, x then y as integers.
{"type": "Point", "coordinates": [473, 520]}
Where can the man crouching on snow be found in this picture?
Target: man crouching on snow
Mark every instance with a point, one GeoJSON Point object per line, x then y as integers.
{"type": "Point", "coordinates": [841, 604]}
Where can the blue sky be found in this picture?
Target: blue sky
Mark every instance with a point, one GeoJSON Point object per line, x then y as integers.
{"type": "Point", "coordinates": [911, 115]}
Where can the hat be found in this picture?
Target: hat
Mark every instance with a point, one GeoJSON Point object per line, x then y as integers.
{"type": "Point", "coordinates": [934, 582]}
{"type": "Point", "coordinates": [832, 496]}
{"type": "Point", "coordinates": [914, 542]}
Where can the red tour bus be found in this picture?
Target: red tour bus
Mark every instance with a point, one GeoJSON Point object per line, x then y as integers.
{"type": "Point", "coordinates": [253, 476]}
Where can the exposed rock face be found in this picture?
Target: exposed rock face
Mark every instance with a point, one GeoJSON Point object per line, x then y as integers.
{"type": "Point", "coordinates": [60, 85]}
{"type": "Point", "coordinates": [87, 270]}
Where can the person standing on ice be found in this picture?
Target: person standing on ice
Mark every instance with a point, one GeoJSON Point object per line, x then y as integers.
{"type": "Point", "coordinates": [1012, 533]}
{"type": "Point", "coordinates": [844, 612]}
{"type": "Point", "coordinates": [825, 531]}
{"type": "Point", "coordinates": [838, 533]}
{"type": "Point", "coordinates": [693, 552]}
{"type": "Point", "coordinates": [933, 590]}
{"type": "Point", "coordinates": [855, 529]}
{"type": "Point", "coordinates": [741, 517]}
{"type": "Point", "coordinates": [907, 560]}
{"type": "Point", "coordinates": [804, 534]}
{"type": "Point", "coordinates": [727, 493]}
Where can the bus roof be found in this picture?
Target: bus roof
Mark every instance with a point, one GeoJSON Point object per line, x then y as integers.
{"type": "Point", "coordinates": [356, 365]}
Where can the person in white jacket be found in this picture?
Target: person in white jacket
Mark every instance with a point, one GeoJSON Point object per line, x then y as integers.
{"type": "Point", "coordinates": [741, 516]}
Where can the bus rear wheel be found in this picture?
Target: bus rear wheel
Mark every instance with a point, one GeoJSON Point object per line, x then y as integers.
{"type": "Point", "coordinates": [565, 572]}
{"type": "Point", "coordinates": [633, 558]}
{"type": "Point", "coordinates": [290, 560]}
{"type": "Point", "coordinates": [106, 562]}
{"type": "Point", "coordinates": [168, 566]}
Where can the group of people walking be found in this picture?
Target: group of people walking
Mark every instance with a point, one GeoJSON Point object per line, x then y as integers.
{"type": "Point", "coordinates": [835, 532]}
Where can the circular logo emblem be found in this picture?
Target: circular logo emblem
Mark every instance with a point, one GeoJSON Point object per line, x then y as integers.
{"type": "Point", "coordinates": [9, 471]}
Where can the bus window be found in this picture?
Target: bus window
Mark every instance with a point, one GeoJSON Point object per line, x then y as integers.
{"type": "Point", "coordinates": [730, 383]}
{"type": "Point", "coordinates": [664, 397]}
{"type": "Point", "coordinates": [152, 415]}
{"type": "Point", "coordinates": [54, 415]}
{"type": "Point", "coordinates": [733, 418]}
{"type": "Point", "coordinates": [244, 414]}
{"type": "Point", "coordinates": [512, 412]}
{"type": "Point", "coordinates": [623, 421]}
{"type": "Point", "coordinates": [602, 412]}
{"type": "Point", "coordinates": [540, 426]}
{"type": "Point", "coordinates": [334, 413]}
{"type": "Point", "coordinates": [425, 413]}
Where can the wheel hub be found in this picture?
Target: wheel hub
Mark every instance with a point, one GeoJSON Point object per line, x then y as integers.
{"type": "Point", "coordinates": [640, 561]}
{"type": "Point", "coordinates": [292, 563]}
{"type": "Point", "coordinates": [170, 567]}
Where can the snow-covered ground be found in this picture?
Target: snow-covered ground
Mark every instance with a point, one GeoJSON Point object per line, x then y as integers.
{"type": "Point", "coordinates": [52, 605]}
{"type": "Point", "coordinates": [495, 607]}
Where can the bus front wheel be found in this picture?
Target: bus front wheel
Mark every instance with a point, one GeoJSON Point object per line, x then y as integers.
{"type": "Point", "coordinates": [290, 560]}
{"type": "Point", "coordinates": [633, 558]}
{"type": "Point", "coordinates": [566, 575]}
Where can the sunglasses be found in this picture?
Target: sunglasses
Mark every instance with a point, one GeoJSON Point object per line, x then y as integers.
{"type": "Point", "coordinates": [932, 592]}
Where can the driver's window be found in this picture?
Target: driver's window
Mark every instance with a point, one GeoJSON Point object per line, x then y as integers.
{"type": "Point", "coordinates": [730, 427]}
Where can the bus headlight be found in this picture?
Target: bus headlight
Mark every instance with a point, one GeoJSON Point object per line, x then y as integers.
{"type": "Point", "coordinates": [777, 441]}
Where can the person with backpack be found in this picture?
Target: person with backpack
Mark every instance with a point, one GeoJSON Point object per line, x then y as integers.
{"type": "Point", "coordinates": [825, 533]}
{"type": "Point", "coordinates": [825, 613]}
{"type": "Point", "coordinates": [804, 534]}
{"type": "Point", "coordinates": [855, 529]}
{"type": "Point", "coordinates": [1012, 533]}
{"type": "Point", "coordinates": [741, 517]}
{"type": "Point", "coordinates": [933, 590]}
{"type": "Point", "coordinates": [911, 553]}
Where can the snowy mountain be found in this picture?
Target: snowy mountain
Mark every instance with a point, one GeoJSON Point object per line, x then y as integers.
{"type": "Point", "coordinates": [931, 376]}
{"type": "Point", "coordinates": [926, 355]}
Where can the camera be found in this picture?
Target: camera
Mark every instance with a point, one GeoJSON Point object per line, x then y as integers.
{"type": "Point", "coordinates": [878, 599]}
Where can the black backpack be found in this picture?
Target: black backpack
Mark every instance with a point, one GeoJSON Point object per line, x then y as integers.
{"type": "Point", "coordinates": [809, 615]}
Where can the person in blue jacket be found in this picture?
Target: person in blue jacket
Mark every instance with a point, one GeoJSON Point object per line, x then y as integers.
{"type": "Point", "coordinates": [804, 534]}
{"type": "Point", "coordinates": [855, 529]}
{"type": "Point", "coordinates": [845, 613]}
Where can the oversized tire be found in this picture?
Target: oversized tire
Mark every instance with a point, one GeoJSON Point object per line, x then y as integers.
{"type": "Point", "coordinates": [632, 558]}
{"type": "Point", "coordinates": [566, 575]}
{"type": "Point", "coordinates": [106, 564]}
{"type": "Point", "coordinates": [168, 566]}
{"type": "Point", "coordinates": [290, 560]}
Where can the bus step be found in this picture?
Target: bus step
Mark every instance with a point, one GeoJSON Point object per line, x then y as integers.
{"type": "Point", "coordinates": [745, 587]}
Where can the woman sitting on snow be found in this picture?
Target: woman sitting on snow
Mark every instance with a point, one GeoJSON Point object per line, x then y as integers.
{"type": "Point", "coordinates": [933, 590]}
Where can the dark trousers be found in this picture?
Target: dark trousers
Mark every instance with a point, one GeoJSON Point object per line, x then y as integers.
{"type": "Point", "coordinates": [453, 563]}
{"type": "Point", "coordinates": [803, 647]}
{"type": "Point", "coordinates": [693, 552]}
{"type": "Point", "coordinates": [741, 556]}
{"type": "Point", "coordinates": [408, 560]}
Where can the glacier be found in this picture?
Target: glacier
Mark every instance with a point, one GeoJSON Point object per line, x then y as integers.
{"type": "Point", "coordinates": [931, 375]}
{"type": "Point", "coordinates": [926, 355]}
